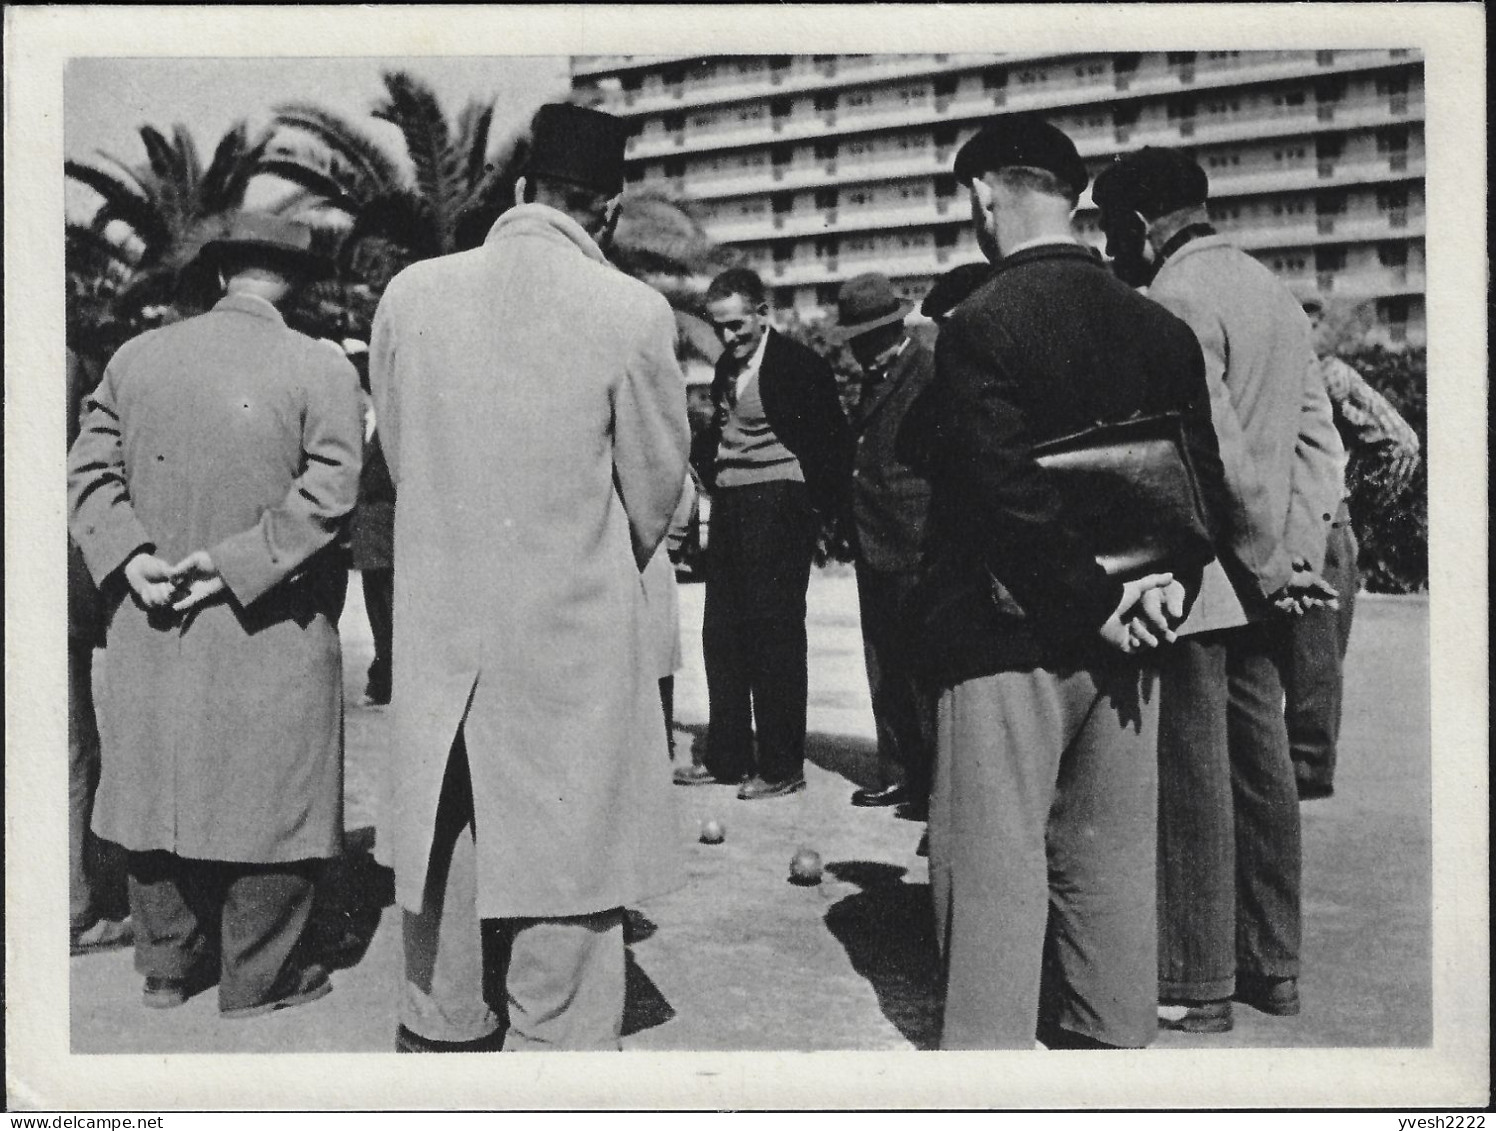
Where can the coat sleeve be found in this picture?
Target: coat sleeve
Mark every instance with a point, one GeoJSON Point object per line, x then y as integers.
{"type": "Point", "coordinates": [651, 438]}
{"type": "Point", "coordinates": [1318, 480]}
{"type": "Point", "coordinates": [1013, 514]}
{"type": "Point", "coordinates": [102, 519]}
{"type": "Point", "coordinates": [254, 561]}
{"type": "Point", "coordinates": [1254, 536]}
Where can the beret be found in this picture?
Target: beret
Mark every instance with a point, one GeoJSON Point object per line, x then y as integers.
{"type": "Point", "coordinates": [1153, 181]}
{"type": "Point", "coordinates": [1021, 139]}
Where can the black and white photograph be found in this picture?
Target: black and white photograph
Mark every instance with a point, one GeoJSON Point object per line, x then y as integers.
{"type": "Point", "coordinates": [728, 534]}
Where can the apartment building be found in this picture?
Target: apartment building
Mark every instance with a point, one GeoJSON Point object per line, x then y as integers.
{"type": "Point", "coordinates": [819, 167]}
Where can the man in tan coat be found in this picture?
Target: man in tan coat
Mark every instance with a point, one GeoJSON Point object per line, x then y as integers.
{"type": "Point", "coordinates": [230, 445]}
{"type": "Point", "coordinates": [531, 412]}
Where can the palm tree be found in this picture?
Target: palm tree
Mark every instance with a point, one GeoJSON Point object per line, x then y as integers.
{"type": "Point", "coordinates": [154, 218]}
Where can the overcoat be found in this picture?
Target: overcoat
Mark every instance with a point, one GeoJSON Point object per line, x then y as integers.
{"type": "Point", "coordinates": [661, 591]}
{"type": "Point", "coordinates": [222, 727]}
{"type": "Point", "coordinates": [890, 500]}
{"type": "Point", "coordinates": [1282, 456]}
{"type": "Point", "coordinates": [533, 418]}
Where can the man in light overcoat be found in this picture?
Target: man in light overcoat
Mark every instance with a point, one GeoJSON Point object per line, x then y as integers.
{"type": "Point", "coordinates": [230, 445]}
{"type": "Point", "coordinates": [531, 412]}
{"type": "Point", "coordinates": [1229, 836]}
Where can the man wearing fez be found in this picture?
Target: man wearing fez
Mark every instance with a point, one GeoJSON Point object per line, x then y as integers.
{"type": "Point", "coordinates": [777, 452]}
{"type": "Point", "coordinates": [531, 414]}
{"type": "Point", "coordinates": [229, 445]}
{"type": "Point", "coordinates": [1229, 849]}
{"type": "Point", "coordinates": [1042, 833]}
{"type": "Point", "coordinates": [890, 501]}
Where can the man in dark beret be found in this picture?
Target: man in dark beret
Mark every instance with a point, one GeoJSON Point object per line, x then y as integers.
{"type": "Point", "coordinates": [1229, 856]}
{"type": "Point", "coordinates": [533, 419]}
{"type": "Point", "coordinates": [1042, 833]}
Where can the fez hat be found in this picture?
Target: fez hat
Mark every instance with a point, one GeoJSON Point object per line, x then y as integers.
{"type": "Point", "coordinates": [273, 241]}
{"type": "Point", "coordinates": [953, 288]}
{"type": "Point", "coordinates": [866, 302]}
{"type": "Point", "coordinates": [1152, 182]}
{"type": "Point", "coordinates": [579, 145]}
{"type": "Point", "coordinates": [1021, 139]}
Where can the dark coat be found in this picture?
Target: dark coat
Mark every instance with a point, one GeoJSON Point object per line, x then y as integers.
{"type": "Point", "coordinates": [86, 608]}
{"type": "Point", "coordinates": [890, 499]}
{"type": "Point", "coordinates": [801, 404]}
{"type": "Point", "coordinates": [1051, 344]}
{"type": "Point", "coordinates": [222, 728]}
{"type": "Point", "coordinates": [372, 529]}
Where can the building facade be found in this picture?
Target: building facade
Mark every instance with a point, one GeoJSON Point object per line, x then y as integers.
{"type": "Point", "coordinates": [820, 167]}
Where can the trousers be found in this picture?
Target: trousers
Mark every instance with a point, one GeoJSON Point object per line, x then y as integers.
{"type": "Point", "coordinates": [379, 603]}
{"type": "Point", "coordinates": [903, 708]}
{"type": "Point", "coordinates": [547, 983]}
{"type": "Point", "coordinates": [1315, 677]}
{"type": "Point", "coordinates": [252, 915]}
{"type": "Point", "coordinates": [1229, 853]}
{"type": "Point", "coordinates": [1042, 834]}
{"type": "Point", "coordinates": [753, 630]}
{"type": "Point", "coordinates": [96, 872]}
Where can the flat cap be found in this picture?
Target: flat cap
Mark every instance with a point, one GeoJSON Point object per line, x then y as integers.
{"type": "Point", "coordinates": [579, 145]}
{"type": "Point", "coordinates": [1021, 139]}
{"type": "Point", "coordinates": [1152, 182]}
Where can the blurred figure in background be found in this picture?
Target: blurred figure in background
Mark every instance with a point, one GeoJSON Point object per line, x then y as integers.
{"type": "Point", "coordinates": [1383, 452]}
{"type": "Point", "coordinates": [372, 535]}
{"type": "Point", "coordinates": [890, 503]}
{"type": "Point", "coordinates": [98, 906]}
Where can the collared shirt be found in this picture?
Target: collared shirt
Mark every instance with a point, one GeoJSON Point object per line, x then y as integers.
{"type": "Point", "coordinates": [750, 370]}
{"type": "Point", "coordinates": [884, 361]}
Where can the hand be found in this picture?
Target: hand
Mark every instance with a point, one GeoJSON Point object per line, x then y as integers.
{"type": "Point", "coordinates": [1125, 629]}
{"type": "Point", "coordinates": [1305, 590]}
{"type": "Point", "coordinates": [196, 579]}
{"type": "Point", "coordinates": [150, 579]}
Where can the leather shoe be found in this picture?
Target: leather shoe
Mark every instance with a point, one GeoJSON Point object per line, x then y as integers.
{"type": "Point", "coordinates": [294, 987]}
{"type": "Point", "coordinates": [756, 788]}
{"type": "Point", "coordinates": [876, 798]}
{"type": "Point", "coordinates": [407, 1040]}
{"type": "Point", "coordinates": [168, 993]}
{"type": "Point", "coordinates": [103, 934]}
{"type": "Point", "coordinates": [1310, 790]}
{"type": "Point", "coordinates": [700, 775]}
{"type": "Point", "coordinates": [1276, 996]}
{"type": "Point", "coordinates": [1196, 1016]}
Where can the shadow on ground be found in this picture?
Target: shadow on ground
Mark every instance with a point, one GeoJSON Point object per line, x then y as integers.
{"type": "Point", "coordinates": [855, 759]}
{"type": "Point", "coordinates": [352, 893]}
{"type": "Point", "coordinates": [889, 936]}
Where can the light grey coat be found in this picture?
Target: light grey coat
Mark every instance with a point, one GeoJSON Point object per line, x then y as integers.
{"type": "Point", "coordinates": [533, 417]}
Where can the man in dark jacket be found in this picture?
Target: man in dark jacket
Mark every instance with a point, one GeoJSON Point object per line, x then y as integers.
{"type": "Point", "coordinates": [778, 450]}
{"type": "Point", "coordinates": [1042, 833]}
{"type": "Point", "coordinates": [890, 501]}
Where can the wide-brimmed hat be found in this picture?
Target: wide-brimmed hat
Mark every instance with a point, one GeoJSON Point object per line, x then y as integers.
{"type": "Point", "coordinates": [866, 302]}
{"type": "Point", "coordinates": [579, 145]}
{"type": "Point", "coordinates": [1023, 140]}
{"type": "Point", "coordinates": [1152, 182]}
{"type": "Point", "coordinates": [275, 241]}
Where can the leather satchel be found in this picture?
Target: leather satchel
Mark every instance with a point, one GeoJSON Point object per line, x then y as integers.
{"type": "Point", "coordinates": [1131, 487]}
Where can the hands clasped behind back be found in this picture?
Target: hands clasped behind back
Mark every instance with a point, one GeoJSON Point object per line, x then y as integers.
{"type": "Point", "coordinates": [1150, 609]}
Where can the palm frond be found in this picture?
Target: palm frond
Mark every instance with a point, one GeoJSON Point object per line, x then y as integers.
{"type": "Point", "coordinates": [244, 170]}
{"type": "Point", "coordinates": [187, 156]}
{"type": "Point", "coordinates": [473, 126]}
{"type": "Point", "coordinates": [368, 161]}
{"type": "Point", "coordinates": [404, 218]}
{"type": "Point", "coordinates": [412, 108]}
{"type": "Point", "coordinates": [216, 190]}
{"type": "Point", "coordinates": [121, 202]}
{"type": "Point", "coordinates": [310, 180]}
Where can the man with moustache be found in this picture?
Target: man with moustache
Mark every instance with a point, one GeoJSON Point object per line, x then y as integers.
{"type": "Point", "coordinates": [1229, 837]}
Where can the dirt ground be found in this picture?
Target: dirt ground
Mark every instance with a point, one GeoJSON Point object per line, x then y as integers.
{"type": "Point", "coordinates": [741, 959]}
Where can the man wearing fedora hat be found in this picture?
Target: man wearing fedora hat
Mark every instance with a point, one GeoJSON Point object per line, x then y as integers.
{"type": "Point", "coordinates": [533, 418]}
{"type": "Point", "coordinates": [1042, 835]}
{"type": "Point", "coordinates": [230, 445]}
{"type": "Point", "coordinates": [1229, 850]}
{"type": "Point", "coordinates": [890, 501]}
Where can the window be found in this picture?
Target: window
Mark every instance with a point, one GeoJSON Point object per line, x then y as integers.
{"type": "Point", "coordinates": [1290, 264]}
{"type": "Point", "coordinates": [1181, 58]}
{"type": "Point", "coordinates": [1290, 208]}
{"type": "Point", "coordinates": [1392, 254]}
{"type": "Point", "coordinates": [1329, 259]}
{"type": "Point", "coordinates": [1394, 140]}
{"type": "Point", "coordinates": [674, 123]}
{"type": "Point", "coordinates": [703, 121]}
{"type": "Point", "coordinates": [751, 208]}
{"type": "Point", "coordinates": [753, 112]}
{"type": "Point", "coordinates": [860, 99]}
{"type": "Point", "coordinates": [912, 141]}
{"type": "Point", "coordinates": [1398, 84]}
{"type": "Point", "coordinates": [1213, 55]}
{"type": "Point", "coordinates": [860, 196]}
{"type": "Point", "coordinates": [1391, 199]}
{"type": "Point", "coordinates": [782, 202]}
{"type": "Point", "coordinates": [1290, 153]}
{"type": "Point", "coordinates": [1032, 77]}
{"type": "Point", "coordinates": [1223, 160]}
{"type": "Point", "coordinates": [825, 103]}
{"type": "Point", "coordinates": [995, 79]}
{"type": "Point", "coordinates": [825, 199]}
{"type": "Point", "coordinates": [750, 66]}
{"type": "Point", "coordinates": [826, 151]}
{"type": "Point", "coordinates": [1289, 98]}
{"type": "Point", "coordinates": [919, 190]}
{"type": "Point", "coordinates": [909, 95]}
{"type": "Point", "coordinates": [784, 251]}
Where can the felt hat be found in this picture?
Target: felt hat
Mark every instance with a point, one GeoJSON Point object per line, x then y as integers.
{"type": "Point", "coordinates": [578, 144]}
{"type": "Point", "coordinates": [274, 241]}
{"type": "Point", "coordinates": [1025, 140]}
{"type": "Point", "coordinates": [866, 302]}
{"type": "Point", "coordinates": [1152, 182]}
{"type": "Point", "coordinates": [953, 288]}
